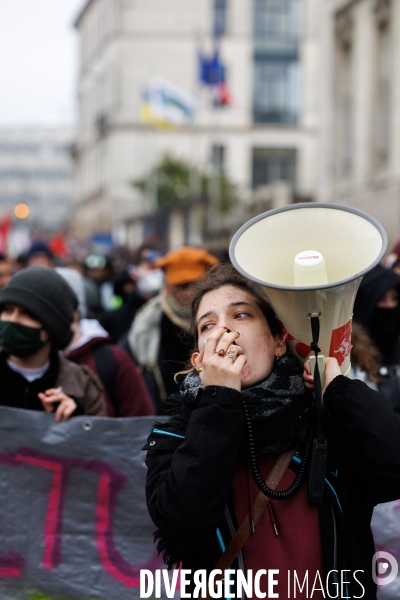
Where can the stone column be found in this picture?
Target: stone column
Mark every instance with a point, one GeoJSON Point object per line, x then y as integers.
{"type": "Point", "coordinates": [363, 92]}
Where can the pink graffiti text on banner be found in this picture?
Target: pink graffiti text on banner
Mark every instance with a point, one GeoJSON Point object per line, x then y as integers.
{"type": "Point", "coordinates": [52, 527]}
{"type": "Point", "coordinates": [103, 527]}
{"type": "Point", "coordinates": [109, 487]}
{"type": "Point", "coordinates": [11, 564]}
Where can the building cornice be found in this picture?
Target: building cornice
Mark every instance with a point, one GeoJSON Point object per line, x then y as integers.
{"type": "Point", "coordinates": [211, 128]}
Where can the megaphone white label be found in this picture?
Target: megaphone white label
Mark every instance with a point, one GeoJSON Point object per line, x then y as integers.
{"type": "Point", "coordinates": [309, 269]}
{"type": "Point", "coordinates": [309, 258]}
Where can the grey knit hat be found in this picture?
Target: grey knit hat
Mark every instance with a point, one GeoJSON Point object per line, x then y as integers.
{"type": "Point", "coordinates": [47, 297]}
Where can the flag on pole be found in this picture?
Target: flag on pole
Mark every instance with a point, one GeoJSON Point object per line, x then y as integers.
{"type": "Point", "coordinates": [166, 105]}
{"type": "Point", "coordinates": [212, 73]}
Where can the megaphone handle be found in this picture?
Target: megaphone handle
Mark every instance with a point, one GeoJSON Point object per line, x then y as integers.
{"type": "Point", "coordinates": [320, 367]}
{"type": "Point", "coordinates": [316, 480]}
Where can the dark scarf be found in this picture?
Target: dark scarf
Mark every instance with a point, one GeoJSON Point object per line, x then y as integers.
{"type": "Point", "coordinates": [280, 407]}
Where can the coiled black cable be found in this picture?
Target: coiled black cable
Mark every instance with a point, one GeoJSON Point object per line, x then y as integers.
{"type": "Point", "coordinates": [262, 486]}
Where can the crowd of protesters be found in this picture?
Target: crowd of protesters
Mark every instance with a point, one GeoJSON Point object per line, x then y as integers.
{"type": "Point", "coordinates": [106, 336]}
{"type": "Point", "coordinates": [100, 336]}
{"type": "Point", "coordinates": [130, 324]}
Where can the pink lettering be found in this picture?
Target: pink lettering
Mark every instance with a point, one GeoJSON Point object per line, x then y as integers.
{"type": "Point", "coordinates": [11, 564]}
{"type": "Point", "coordinates": [110, 484]}
{"type": "Point", "coordinates": [52, 527]}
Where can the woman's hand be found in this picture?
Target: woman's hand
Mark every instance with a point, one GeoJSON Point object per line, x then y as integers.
{"type": "Point", "coordinates": [221, 360]}
{"type": "Point", "coordinates": [332, 370]}
{"type": "Point", "coordinates": [66, 404]}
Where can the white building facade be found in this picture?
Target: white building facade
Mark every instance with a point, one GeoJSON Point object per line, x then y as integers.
{"type": "Point", "coordinates": [360, 120]}
{"type": "Point", "coordinates": [265, 141]}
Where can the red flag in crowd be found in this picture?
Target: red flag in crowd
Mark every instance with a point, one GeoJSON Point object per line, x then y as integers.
{"type": "Point", "coordinates": [58, 245]}
{"type": "Point", "coordinates": [5, 226]}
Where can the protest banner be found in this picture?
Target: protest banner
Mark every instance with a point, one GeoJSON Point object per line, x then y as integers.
{"type": "Point", "coordinates": [73, 518]}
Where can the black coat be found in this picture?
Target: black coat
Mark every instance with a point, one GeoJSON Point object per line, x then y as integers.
{"type": "Point", "coordinates": [189, 480]}
{"type": "Point", "coordinates": [117, 322]}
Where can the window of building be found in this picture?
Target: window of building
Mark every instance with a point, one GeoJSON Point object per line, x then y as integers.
{"type": "Point", "coordinates": [276, 64]}
{"type": "Point", "coordinates": [157, 226]}
{"type": "Point", "coordinates": [218, 159]}
{"type": "Point", "coordinates": [220, 17]}
{"type": "Point", "coordinates": [273, 164]}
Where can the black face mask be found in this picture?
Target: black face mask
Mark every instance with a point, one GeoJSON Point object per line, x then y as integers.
{"type": "Point", "coordinates": [384, 328]}
{"type": "Point", "coordinates": [20, 340]}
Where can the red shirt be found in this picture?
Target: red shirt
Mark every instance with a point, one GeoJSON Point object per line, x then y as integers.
{"type": "Point", "coordinates": [287, 535]}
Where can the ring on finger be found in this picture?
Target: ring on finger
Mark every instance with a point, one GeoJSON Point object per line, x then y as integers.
{"type": "Point", "coordinates": [220, 352]}
{"type": "Point", "coordinates": [231, 352]}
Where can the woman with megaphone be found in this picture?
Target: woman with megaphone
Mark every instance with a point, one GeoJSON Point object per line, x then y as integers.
{"type": "Point", "coordinates": [228, 473]}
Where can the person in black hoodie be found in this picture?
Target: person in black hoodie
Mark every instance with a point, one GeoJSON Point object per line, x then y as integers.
{"type": "Point", "coordinates": [377, 309]}
{"type": "Point", "coordinates": [118, 321]}
{"type": "Point", "coordinates": [241, 406]}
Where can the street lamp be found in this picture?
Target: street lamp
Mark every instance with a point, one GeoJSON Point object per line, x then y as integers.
{"type": "Point", "coordinates": [21, 211]}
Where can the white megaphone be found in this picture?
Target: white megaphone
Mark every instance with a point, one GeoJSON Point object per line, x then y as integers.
{"type": "Point", "coordinates": [310, 259]}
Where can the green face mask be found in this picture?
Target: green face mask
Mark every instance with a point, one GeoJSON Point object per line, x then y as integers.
{"type": "Point", "coordinates": [20, 340]}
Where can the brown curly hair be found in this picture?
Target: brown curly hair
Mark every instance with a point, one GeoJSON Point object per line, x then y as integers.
{"type": "Point", "coordinates": [364, 354]}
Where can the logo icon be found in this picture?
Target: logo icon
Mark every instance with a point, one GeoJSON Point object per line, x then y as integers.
{"type": "Point", "coordinates": [384, 568]}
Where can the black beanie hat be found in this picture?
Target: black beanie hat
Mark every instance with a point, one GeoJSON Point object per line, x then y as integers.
{"type": "Point", "coordinates": [47, 297]}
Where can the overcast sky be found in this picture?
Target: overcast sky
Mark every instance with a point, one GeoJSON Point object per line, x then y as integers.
{"type": "Point", "coordinates": [38, 62]}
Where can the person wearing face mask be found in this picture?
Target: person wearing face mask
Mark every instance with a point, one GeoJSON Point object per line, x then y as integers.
{"type": "Point", "coordinates": [149, 277]}
{"type": "Point", "coordinates": [377, 309]}
{"type": "Point", "coordinates": [140, 285]}
{"type": "Point", "coordinates": [136, 284]}
{"type": "Point", "coordinates": [157, 336]}
{"type": "Point", "coordinates": [36, 313]}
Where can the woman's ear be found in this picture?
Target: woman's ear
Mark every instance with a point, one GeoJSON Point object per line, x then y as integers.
{"type": "Point", "coordinates": [193, 358]}
{"type": "Point", "coordinates": [196, 356]}
{"type": "Point", "coordinates": [280, 344]}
